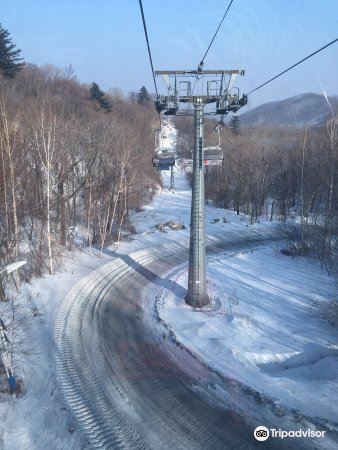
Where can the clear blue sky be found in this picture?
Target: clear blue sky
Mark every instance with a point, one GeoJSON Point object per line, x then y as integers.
{"type": "Point", "coordinates": [104, 40]}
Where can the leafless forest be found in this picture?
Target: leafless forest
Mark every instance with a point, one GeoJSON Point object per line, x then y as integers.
{"type": "Point", "coordinates": [277, 174]}
{"type": "Point", "coordinates": [68, 161]}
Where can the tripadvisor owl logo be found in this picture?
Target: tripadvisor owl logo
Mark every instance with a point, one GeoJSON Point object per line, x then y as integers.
{"type": "Point", "coordinates": [261, 433]}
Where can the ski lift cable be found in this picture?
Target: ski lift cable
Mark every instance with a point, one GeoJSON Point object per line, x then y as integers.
{"type": "Point", "coordinates": [283, 72]}
{"type": "Point", "coordinates": [200, 66]}
{"type": "Point", "coordinates": [148, 45]}
{"type": "Point", "coordinates": [216, 126]}
{"type": "Point", "coordinates": [215, 34]}
{"type": "Point", "coordinates": [294, 65]}
{"type": "Point", "coordinates": [150, 57]}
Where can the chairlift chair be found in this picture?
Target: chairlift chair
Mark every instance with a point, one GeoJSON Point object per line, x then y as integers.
{"type": "Point", "coordinates": [164, 158]}
{"type": "Point", "coordinates": [164, 167]}
{"type": "Point", "coordinates": [213, 156]}
{"type": "Point", "coordinates": [164, 151]}
{"type": "Point", "coordinates": [171, 112]}
{"type": "Point", "coordinates": [156, 162]}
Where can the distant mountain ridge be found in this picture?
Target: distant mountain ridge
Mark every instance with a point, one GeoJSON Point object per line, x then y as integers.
{"type": "Point", "coordinates": [297, 111]}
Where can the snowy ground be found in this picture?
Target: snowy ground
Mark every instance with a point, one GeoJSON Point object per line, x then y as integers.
{"type": "Point", "coordinates": [39, 418]}
{"type": "Point", "coordinates": [176, 207]}
{"type": "Point", "coordinates": [264, 328]}
{"type": "Point", "coordinates": [271, 338]}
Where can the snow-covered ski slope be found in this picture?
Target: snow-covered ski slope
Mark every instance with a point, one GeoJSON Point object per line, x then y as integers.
{"type": "Point", "coordinates": [276, 338]}
{"type": "Point", "coordinates": [271, 338]}
{"type": "Point", "coordinates": [39, 419]}
{"type": "Point", "coordinates": [265, 328]}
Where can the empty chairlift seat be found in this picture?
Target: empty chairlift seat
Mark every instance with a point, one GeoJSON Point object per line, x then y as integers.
{"type": "Point", "coordinates": [164, 159]}
{"type": "Point", "coordinates": [213, 156]}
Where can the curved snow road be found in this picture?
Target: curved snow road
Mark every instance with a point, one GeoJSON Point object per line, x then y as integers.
{"type": "Point", "coordinates": [127, 383]}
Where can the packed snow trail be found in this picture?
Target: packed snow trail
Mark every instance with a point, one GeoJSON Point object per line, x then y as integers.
{"type": "Point", "coordinates": [127, 385]}
{"type": "Point", "coordinates": [126, 379]}
{"type": "Point", "coordinates": [267, 328]}
{"type": "Point", "coordinates": [128, 382]}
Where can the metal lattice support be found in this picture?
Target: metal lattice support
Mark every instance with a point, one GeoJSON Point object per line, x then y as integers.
{"type": "Point", "coordinates": [197, 294]}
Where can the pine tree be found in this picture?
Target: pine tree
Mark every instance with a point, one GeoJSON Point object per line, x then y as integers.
{"type": "Point", "coordinates": [105, 104]}
{"type": "Point", "coordinates": [143, 96]}
{"type": "Point", "coordinates": [235, 125]}
{"type": "Point", "coordinates": [97, 95]}
{"type": "Point", "coordinates": [10, 59]}
{"type": "Point", "coordinates": [95, 92]}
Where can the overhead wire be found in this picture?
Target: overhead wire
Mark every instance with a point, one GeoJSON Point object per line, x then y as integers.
{"type": "Point", "coordinates": [291, 67]}
{"type": "Point", "coordinates": [148, 46]}
{"type": "Point", "coordinates": [206, 52]}
{"type": "Point", "coordinates": [149, 54]}
{"type": "Point", "coordinates": [216, 126]}
{"type": "Point", "coordinates": [200, 66]}
{"type": "Point", "coordinates": [283, 72]}
{"type": "Point", "coordinates": [215, 34]}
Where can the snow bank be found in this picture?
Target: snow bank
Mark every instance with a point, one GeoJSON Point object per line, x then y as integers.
{"type": "Point", "coordinates": [39, 419]}
{"type": "Point", "coordinates": [272, 339]}
{"type": "Point", "coordinates": [264, 328]}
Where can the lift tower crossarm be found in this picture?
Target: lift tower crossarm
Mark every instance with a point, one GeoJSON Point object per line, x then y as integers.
{"type": "Point", "coordinates": [199, 72]}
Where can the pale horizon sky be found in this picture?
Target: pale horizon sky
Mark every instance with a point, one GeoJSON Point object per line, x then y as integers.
{"type": "Point", "coordinates": [104, 40]}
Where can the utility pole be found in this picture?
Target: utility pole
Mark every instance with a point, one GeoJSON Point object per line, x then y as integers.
{"type": "Point", "coordinates": [219, 91]}
{"type": "Point", "coordinates": [172, 179]}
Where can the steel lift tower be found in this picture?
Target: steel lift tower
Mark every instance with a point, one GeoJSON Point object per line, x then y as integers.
{"type": "Point", "coordinates": [217, 96]}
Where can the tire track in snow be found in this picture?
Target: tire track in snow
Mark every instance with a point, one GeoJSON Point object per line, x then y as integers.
{"type": "Point", "coordinates": [102, 422]}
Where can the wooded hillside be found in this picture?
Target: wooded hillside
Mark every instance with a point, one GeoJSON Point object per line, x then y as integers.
{"type": "Point", "coordinates": [278, 173]}
{"type": "Point", "coordinates": [67, 161]}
